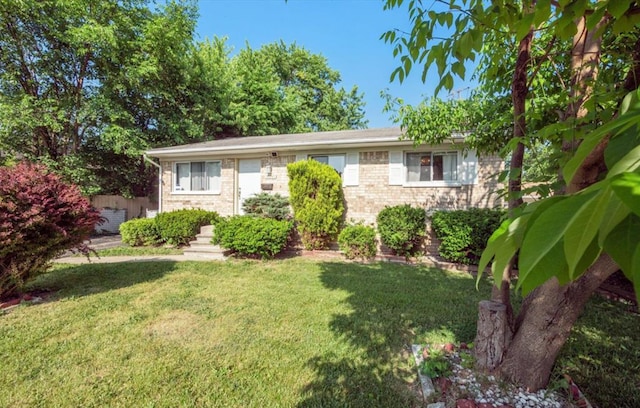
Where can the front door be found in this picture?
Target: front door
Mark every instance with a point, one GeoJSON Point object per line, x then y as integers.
{"type": "Point", "coordinates": [248, 180]}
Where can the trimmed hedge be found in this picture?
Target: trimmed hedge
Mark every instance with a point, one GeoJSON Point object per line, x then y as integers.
{"type": "Point", "coordinates": [181, 226]}
{"type": "Point", "coordinates": [248, 235]}
{"type": "Point", "coordinates": [140, 231]}
{"type": "Point", "coordinates": [315, 191]}
{"type": "Point", "coordinates": [402, 228]}
{"type": "Point", "coordinates": [358, 241]}
{"type": "Point", "coordinates": [267, 205]}
{"type": "Point", "coordinates": [463, 234]}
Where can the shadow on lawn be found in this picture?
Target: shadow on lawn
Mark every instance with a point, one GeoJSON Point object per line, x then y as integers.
{"type": "Point", "coordinates": [89, 279]}
{"type": "Point", "coordinates": [392, 306]}
{"type": "Point", "coordinates": [603, 354]}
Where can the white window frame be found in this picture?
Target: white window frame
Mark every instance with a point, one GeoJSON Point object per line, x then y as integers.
{"type": "Point", "coordinates": [432, 183]}
{"type": "Point", "coordinates": [328, 155]}
{"type": "Point", "coordinates": [178, 189]}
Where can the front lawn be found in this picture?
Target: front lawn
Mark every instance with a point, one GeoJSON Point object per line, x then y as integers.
{"type": "Point", "coordinates": [237, 334]}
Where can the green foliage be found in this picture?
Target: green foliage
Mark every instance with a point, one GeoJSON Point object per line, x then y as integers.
{"type": "Point", "coordinates": [315, 191]}
{"type": "Point", "coordinates": [463, 234]}
{"type": "Point", "coordinates": [267, 205]}
{"type": "Point", "coordinates": [563, 235]}
{"type": "Point", "coordinates": [436, 364]}
{"type": "Point", "coordinates": [402, 228]}
{"type": "Point", "coordinates": [76, 76]}
{"type": "Point", "coordinates": [287, 89]}
{"type": "Point", "coordinates": [181, 226]}
{"type": "Point", "coordinates": [41, 218]}
{"type": "Point", "coordinates": [140, 231]}
{"type": "Point", "coordinates": [484, 122]}
{"type": "Point", "coordinates": [247, 235]}
{"type": "Point", "coordinates": [358, 241]}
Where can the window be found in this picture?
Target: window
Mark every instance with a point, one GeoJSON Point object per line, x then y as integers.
{"type": "Point", "coordinates": [197, 177]}
{"type": "Point", "coordinates": [432, 166]}
{"type": "Point", "coordinates": [337, 161]}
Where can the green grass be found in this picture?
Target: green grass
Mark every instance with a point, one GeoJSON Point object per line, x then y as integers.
{"type": "Point", "coordinates": [138, 251]}
{"type": "Point", "coordinates": [290, 333]}
{"type": "Point", "coordinates": [603, 354]}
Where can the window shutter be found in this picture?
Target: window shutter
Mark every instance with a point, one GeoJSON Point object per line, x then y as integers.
{"type": "Point", "coordinates": [301, 156]}
{"type": "Point", "coordinates": [396, 168]}
{"type": "Point", "coordinates": [468, 169]}
{"type": "Point", "coordinates": [351, 176]}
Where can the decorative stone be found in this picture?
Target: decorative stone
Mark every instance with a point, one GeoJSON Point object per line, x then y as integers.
{"type": "Point", "coordinates": [465, 403]}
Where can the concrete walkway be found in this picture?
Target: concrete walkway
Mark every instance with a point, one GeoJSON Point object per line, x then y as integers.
{"type": "Point", "coordinates": [112, 241]}
{"type": "Point", "coordinates": [77, 260]}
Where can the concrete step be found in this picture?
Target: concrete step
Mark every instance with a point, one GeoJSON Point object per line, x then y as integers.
{"type": "Point", "coordinates": [206, 230]}
{"type": "Point", "coordinates": [201, 240]}
{"type": "Point", "coordinates": [203, 249]}
{"type": "Point", "coordinates": [202, 246]}
{"type": "Point", "coordinates": [205, 255]}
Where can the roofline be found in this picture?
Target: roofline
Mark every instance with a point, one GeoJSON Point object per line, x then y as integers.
{"type": "Point", "coordinates": [299, 144]}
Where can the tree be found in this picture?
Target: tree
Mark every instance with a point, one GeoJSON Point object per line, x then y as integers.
{"type": "Point", "coordinates": [284, 88]}
{"type": "Point", "coordinates": [78, 77]}
{"type": "Point", "coordinates": [566, 245]}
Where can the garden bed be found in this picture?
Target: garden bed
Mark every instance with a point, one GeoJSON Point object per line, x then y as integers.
{"type": "Point", "coordinates": [449, 379]}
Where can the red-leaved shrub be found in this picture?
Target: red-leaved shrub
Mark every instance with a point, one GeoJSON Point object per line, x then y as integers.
{"type": "Point", "coordinates": [40, 217]}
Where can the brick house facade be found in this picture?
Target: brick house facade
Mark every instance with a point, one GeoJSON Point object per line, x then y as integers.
{"type": "Point", "coordinates": [378, 169]}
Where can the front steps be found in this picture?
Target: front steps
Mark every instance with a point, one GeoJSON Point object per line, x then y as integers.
{"type": "Point", "coordinates": [202, 246]}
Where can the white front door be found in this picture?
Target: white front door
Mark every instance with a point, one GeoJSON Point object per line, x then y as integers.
{"type": "Point", "coordinates": [248, 180]}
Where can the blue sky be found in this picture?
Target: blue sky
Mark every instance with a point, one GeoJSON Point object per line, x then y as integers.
{"type": "Point", "coordinates": [346, 32]}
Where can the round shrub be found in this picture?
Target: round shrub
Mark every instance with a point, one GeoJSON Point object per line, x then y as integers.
{"type": "Point", "coordinates": [402, 228]}
{"type": "Point", "coordinates": [140, 231]}
{"type": "Point", "coordinates": [267, 205]}
{"type": "Point", "coordinates": [181, 226]}
{"type": "Point", "coordinates": [463, 234]}
{"type": "Point", "coordinates": [247, 235]}
{"type": "Point", "coordinates": [315, 191]}
{"type": "Point", "coordinates": [358, 241]}
{"type": "Point", "coordinates": [40, 218]}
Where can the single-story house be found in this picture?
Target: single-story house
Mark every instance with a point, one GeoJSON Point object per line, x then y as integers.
{"type": "Point", "coordinates": [377, 167]}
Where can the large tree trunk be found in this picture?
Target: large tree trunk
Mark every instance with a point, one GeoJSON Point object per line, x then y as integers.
{"type": "Point", "coordinates": [544, 324]}
{"type": "Point", "coordinates": [550, 311]}
{"type": "Point", "coordinates": [489, 350]}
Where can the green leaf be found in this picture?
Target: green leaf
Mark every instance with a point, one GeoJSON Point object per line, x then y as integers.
{"type": "Point", "coordinates": [620, 145]}
{"type": "Point", "coordinates": [548, 229]}
{"type": "Point", "coordinates": [618, 125]}
{"type": "Point", "coordinates": [622, 243]}
{"type": "Point", "coordinates": [630, 162]}
{"type": "Point", "coordinates": [552, 264]}
{"type": "Point", "coordinates": [616, 212]}
{"type": "Point", "coordinates": [523, 26]}
{"type": "Point", "coordinates": [617, 8]}
{"type": "Point", "coordinates": [589, 256]}
{"type": "Point", "coordinates": [583, 228]}
{"type": "Point", "coordinates": [627, 188]}
{"type": "Point", "coordinates": [508, 248]}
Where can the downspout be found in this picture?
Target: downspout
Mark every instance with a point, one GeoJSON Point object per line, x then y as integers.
{"type": "Point", "coordinates": [147, 159]}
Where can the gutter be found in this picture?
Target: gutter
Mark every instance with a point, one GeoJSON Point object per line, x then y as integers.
{"type": "Point", "coordinates": [148, 160]}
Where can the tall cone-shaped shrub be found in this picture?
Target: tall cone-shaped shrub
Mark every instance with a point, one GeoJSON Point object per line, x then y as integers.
{"type": "Point", "coordinates": [40, 217]}
{"type": "Point", "coordinates": [315, 192]}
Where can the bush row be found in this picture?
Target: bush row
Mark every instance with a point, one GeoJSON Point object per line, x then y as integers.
{"type": "Point", "coordinates": [265, 232]}
{"type": "Point", "coordinates": [248, 235]}
{"type": "Point", "coordinates": [463, 234]}
{"type": "Point", "coordinates": [173, 228]}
